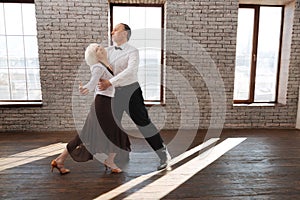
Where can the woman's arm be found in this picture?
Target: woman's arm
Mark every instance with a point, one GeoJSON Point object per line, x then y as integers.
{"type": "Point", "coordinates": [97, 73]}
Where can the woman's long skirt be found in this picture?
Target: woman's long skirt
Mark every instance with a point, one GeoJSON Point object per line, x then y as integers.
{"type": "Point", "coordinates": [100, 133]}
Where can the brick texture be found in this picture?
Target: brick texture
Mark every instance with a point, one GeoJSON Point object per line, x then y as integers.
{"type": "Point", "coordinates": [200, 62]}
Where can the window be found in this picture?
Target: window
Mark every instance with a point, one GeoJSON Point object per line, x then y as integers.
{"type": "Point", "coordinates": [258, 53]}
{"type": "Point", "coordinates": [146, 23]}
{"type": "Point", "coordinates": [19, 65]}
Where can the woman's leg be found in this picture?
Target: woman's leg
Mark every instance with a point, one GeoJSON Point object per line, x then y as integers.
{"type": "Point", "coordinates": [60, 160]}
{"type": "Point", "coordinates": [110, 163]}
{"type": "Point", "coordinates": [58, 163]}
{"type": "Point", "coordinates": [111, 158]}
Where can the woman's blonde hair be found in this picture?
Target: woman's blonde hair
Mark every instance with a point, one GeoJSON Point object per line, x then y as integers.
{"type": "Point", "coordinates": [90, 54]}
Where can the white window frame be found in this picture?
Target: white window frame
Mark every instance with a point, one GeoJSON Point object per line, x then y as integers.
{"type": "Point", "coordinates": [144, 84]}
{"type": "Point", "coordinates": [29, 85]}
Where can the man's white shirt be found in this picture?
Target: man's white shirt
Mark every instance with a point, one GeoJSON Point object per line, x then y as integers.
{"type": "Point", "coordinates": [125, 64]}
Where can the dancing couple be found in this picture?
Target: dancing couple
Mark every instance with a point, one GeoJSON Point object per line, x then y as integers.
{"type": "Point", "coordinates": [118, 91]}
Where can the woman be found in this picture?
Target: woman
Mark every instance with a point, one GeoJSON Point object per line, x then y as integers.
{"type": "Point", "coordinates": [100, 132]}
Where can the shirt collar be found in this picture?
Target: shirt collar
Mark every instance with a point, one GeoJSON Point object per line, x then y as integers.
{"type": "Point", "coordinates": [123, 46]}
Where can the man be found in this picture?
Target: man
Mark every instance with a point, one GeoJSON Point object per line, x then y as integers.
{"type": "Point", "coordinates": [124, 60]}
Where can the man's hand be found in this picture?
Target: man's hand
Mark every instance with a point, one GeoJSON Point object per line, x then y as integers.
{"type": "Point", "coordinates": [102, 56]}
{"type": "Point", "coordinates": [103, 84]}
{"type": "Point", "coordinates": [83, 91]}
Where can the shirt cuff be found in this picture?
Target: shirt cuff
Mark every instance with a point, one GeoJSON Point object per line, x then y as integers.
{"type": "Point", "coordinates": [113, 82]}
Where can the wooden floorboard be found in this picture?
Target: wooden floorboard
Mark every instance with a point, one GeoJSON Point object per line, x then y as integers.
{"type": "Point", "coordinates": [264, 166]}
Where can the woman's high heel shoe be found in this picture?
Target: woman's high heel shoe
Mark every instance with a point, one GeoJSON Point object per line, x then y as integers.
{"type": "Point", "coordinates": [61, 170]}
{"type": "Point", "coordinates": [113, 170]}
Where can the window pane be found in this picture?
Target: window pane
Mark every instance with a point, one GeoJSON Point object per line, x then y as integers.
{"type": "Point", "coordinates": [142, 70]}
{"type": "Point", "coordinates": [19, 65]}
{"type": "Point", "coordinates": [153, 15]}
{"type": "Point", "coordinates": [29, 20]}
{"type": "Point", "coordinates": [154, 44]}
{"type": "Point", "coordinates": [33, 84]}
{"type": "Point", "coordinates": [153, 34]}
{"type": "Point", "coordinates": [3, 54]}
{"type": "Point", "coordinates": [4, 84]}
{"type": "Point", "coordinates": [153, 66]}
{"type": "Point", "coordinates": [153, 74]}
{"type": "Point", "coordinates": [121, 15]}
{"type": "Point", "coordinates": [138, 34]}
{"type": "Point", "coordinates": [18, 84]}
{"type": "Point", "coordinates": [33, 79]}
{"type": "Point", "coordinates": [2, 27]}
{"type": "Point", "coordinates": [148, 41]}
{"type": "Point", "coordinates": [267, 54]}
{"type": "Point", "coordinates": [13, 18]}
{"type": "Point", "coordinates": [243, 53]}
{"type": "Point", "coordinates": [31, 51]}
{"type": "Point", "coordinates": [149, 73]}
{"type": "Point", "coordinates": [137, 17]}
{"type": "Point", "coordinates": [138, 23]}
{"type": "Point", "coordinates": [35, 94]}
{"type": "Point", "coordinates": [15, 50]}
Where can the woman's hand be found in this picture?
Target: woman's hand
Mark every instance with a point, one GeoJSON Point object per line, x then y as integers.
{"type": "Point", "coordinates": [83, 91]}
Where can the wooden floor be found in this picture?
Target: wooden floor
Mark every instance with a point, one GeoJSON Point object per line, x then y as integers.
{"type": "Point", "coordinates": [264, 164]}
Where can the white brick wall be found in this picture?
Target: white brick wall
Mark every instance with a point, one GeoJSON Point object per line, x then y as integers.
{"type": "Point", "coordinates": [65, 28]}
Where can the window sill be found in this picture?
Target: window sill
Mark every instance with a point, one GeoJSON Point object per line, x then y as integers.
{"type": "Point", "coordinates": [21, 104]}
{"type": "Point", "coordinates": [154, 103]}
{"type": "Point", "coordinates": [257, 105]}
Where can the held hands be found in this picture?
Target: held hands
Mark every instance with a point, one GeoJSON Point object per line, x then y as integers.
{"type": "Point", "coordinates": [103, 84]}
{"type": "Point", "coordinates": [83, 91]}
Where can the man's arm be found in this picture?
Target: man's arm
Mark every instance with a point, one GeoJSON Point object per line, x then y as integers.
{"type": "Point", "coordinates": [122, 78]}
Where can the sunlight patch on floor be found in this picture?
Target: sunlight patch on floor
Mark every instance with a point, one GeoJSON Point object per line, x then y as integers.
{"type": "Point", "coordinates": [31, 156]}
{"type": "Point", "coordinates": [172, 180]}
{"type": "Point", "coordinates": [132, 183]}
